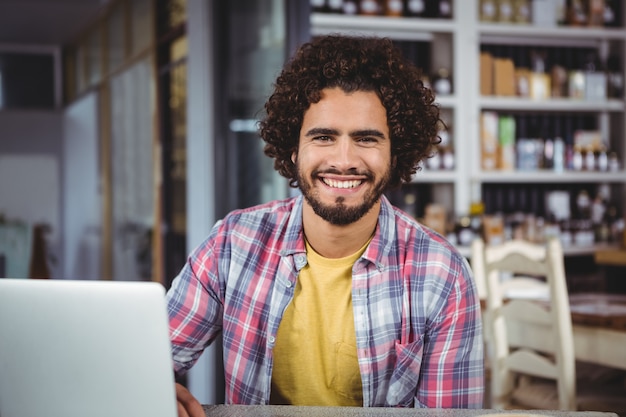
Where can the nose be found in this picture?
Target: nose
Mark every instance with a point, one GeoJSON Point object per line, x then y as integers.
{"type": "Point", "coordinates": [344, 155]}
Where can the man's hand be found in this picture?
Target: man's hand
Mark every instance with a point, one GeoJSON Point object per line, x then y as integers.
{"type": "Point", "coordinates": [188, 406]}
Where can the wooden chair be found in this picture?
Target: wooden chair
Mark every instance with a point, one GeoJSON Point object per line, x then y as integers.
{"type": "Point", "coordinates": [521, 375]}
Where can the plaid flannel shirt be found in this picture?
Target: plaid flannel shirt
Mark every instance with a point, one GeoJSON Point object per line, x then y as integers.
{"type": "Point", "coordinates": [416, 309]}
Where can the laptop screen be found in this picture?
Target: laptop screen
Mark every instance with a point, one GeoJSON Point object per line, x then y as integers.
{"type": "Point", "coordinates": [84, 348]}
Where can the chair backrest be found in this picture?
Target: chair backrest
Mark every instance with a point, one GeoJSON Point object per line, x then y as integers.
{"type": "Point", "coordinates": [527, 319]}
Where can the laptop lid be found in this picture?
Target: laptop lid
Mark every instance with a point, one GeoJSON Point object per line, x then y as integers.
{"type": "Point", "coordinates": [84, 348]}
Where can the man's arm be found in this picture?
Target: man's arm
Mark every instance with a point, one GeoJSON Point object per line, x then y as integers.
{"type": "Point", "coordinates": [453, 367]}
{"type": "Point", "coordinates": [194, 308]}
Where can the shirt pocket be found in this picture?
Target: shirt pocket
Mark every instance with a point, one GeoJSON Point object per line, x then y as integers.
{"type": "Point", "coordinates": [346, 382]}
{"type": "Point", "coordinates": [406, 374]}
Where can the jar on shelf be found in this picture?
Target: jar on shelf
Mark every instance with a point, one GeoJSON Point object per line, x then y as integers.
{"type": "Point", "coordinates": [370, 8]}
{"type": "Point", "coordinates": [505, 11]}
{"type": "Point", "coordinates": [350, 7]}
{"type": "Point", "coordinates": [521, 11]}
{"type": "Point", "coordinates": [442, 9]}
{"type": "Point", "coordinates": [394, 8]}
{"type": "Point", "coordinates": [488, 10]}
{"type": "Point", "coordinates": [442, 82]}
{"type": "Point", "coordinates": [415, 8]}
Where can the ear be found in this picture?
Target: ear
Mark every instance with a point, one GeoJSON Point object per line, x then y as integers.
{"type": "Point", "coordinates": [293, 157]}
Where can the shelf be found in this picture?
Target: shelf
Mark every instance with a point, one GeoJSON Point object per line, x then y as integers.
{"type": "Point", "coordinates": [545, 176]}
{"type": "Point", "coordinates": [457, 43]}
{"type": "Point", "coordinates": [432, 176]}
{"type": "Point", "coordinates": [447, 102]}
{"type": "Point", "coordinates": [400, 28]}
{"type": "Point", "coordinates": [555, 104]}
{"type": "Point", "coordinates": [559, 36]}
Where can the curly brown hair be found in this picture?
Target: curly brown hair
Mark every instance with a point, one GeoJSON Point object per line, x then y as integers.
{"type": "Point", "coordinates": [352, 64]}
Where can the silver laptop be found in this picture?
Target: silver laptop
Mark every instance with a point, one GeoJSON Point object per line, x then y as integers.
{"type": "Point", "coordinates": [84, 348]}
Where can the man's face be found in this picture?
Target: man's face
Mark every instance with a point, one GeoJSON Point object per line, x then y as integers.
{"type": "Point", "coordinates": [344, 155]}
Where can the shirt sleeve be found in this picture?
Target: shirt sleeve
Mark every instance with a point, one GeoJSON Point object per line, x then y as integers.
{"type": "Point", "coordinates": [453, 362]}
{"type": "Point", "coordinates": [194, 306]}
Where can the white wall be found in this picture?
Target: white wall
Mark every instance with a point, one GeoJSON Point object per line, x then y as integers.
{"type": "Point", "coordinates": [30, 173]}
{"type": "Point", "coordinates": [82, 200]}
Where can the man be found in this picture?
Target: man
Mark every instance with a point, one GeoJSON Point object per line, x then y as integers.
{"type": "Point", "coordinates": [336, 297]}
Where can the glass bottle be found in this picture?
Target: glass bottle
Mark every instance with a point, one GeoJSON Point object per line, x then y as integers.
{"type": "Point", "coordinates": [350, 7]}
{"type": "Point", "coordinates": [577, 13]}
{"type": "Point", "coordinates": [595, 78]}
{"type": "Point", "coordinates": [615, 77]}
{"type": "Point", "coordinates": [602, 160]}
{"type": "Point", "coordinates": [576, 76]}
{"type": "Point", "coordinates": [559, 155]}
{"type": "Point", "coordinates": [442, 82]}
{"type": "Point", "coordinates": [434, 162]}
{"type": "Point", "coordinates": [522, 72]}
{"type": "Point", "coordinates": [611, 13]}
{"type": "Point", "coordinates": [447, 160]}
{"type": "Point", "coordinates": [370, 7]}
{"type": "Point", "coordinates": [394, 8]}
{"type": "Point", "coordinates": [521, 11]}
{"type": "Point", "coordinates": [464, 232]}
{"type": "Point", "coordinates": [577, 159]}
{"type": "Point", "coordinates": [416, 8]}
{"type": "Point", "coordinates": [583, 205]}
{"type": "Point", "coordinates": [614, 165]}
{"type": "Point", "coordinates": [505, 11]}
{"type": "Point", "coordinates": [558, 75]}
{"type": "Point", "coordinates": [589, 160]}
{"type": "Point", "coordinates": [488, 10]}
{"type": "Point", "coordinates": [539, 80]}
{"type": "Point", "coordinates": [595, 13]}
{"type": "Point", "coordinates": [443, 9]}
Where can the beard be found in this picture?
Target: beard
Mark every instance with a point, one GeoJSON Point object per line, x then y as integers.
{"type": "Point", "coordinates": [338, 213]}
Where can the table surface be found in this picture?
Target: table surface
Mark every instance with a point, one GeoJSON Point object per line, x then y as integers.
{"type": "Point", "coordinates": [293, 411]}
{"type": "Point", "coordinates": [599, 310]}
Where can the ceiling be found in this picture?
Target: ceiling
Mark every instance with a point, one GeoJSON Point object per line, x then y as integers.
{"type": "Point", "coordinates": [45, 22]}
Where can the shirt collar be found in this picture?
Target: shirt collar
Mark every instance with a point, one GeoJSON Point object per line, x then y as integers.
{"type": "Point", "coordinates": [379, 247]}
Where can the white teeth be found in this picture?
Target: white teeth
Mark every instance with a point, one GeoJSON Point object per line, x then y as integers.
{"type": "Point", "coordinates": [341, 184]}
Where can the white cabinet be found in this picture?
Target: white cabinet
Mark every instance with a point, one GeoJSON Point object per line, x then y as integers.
{"type": "Point", "coordinates": [459, 41]}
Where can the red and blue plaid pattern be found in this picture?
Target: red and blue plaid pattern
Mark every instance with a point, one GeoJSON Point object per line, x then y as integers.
{"type": "Point", "coordinates": [416, 310]}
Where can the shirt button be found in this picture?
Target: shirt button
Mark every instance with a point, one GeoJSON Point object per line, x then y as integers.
{"type": "Point", "coordinates": [289, 284]}
{"type": "Point", "coordinates": [271, 339]}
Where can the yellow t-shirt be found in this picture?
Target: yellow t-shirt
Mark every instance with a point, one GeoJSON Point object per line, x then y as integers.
{"type": "Point", "coordinates": [315, 358]}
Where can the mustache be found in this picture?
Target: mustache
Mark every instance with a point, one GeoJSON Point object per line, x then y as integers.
{"type": "Point", "coordinates": [335, 171]}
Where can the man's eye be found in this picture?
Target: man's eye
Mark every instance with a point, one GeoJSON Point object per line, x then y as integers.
{"type": "Point", "coordinates": [368, 139]}
{"type": "Point", "coordinates": [322, 138]}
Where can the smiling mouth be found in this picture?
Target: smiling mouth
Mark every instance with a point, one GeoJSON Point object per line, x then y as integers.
{"type": "Point", "coordinates": [341, 184]}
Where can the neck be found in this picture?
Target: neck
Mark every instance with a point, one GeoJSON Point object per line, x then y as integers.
{"type": "Point", "coordinates": [333, 241]}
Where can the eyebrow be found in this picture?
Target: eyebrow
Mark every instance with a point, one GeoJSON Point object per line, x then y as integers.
{"type": "Point", "coordinates": [355, 133]}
